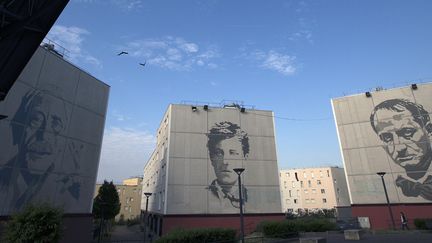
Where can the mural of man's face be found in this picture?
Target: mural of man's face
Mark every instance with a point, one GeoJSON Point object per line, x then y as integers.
{"type": "Point", "coordinates": [46, 120]}
{"type": "Point", "coordinates": [223, 156]}
{"type": "Point", "coordinates": [406, 141]}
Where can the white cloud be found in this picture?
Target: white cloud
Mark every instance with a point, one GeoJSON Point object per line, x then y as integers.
{"type": "Point", "coordinates": [124, 153]}
{"type": "Point", "coordinates": [72, 38]}
{"type": "Point", "coordinates": [172, 53]}
{"type": "Point", "coordinates": [275, 61]}
{"type": "Point", "coordinates": [128, 5]}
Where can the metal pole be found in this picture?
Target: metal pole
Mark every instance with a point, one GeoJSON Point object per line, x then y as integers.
{"type": "Point", "coordinates": [100, 227]}
{"type": "Point", "coordinates": [241, 210]}
{"type": "Point", "coordinates": [388, 202]}
{"type": "Point", "coordinates": [145, 220]}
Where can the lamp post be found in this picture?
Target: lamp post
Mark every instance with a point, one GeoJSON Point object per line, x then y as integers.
{"type": "Point", "coordinates": [388, 202]}
{"type": "Point", "coordinates": [147, 194]}
{"type": "Point", "coordinates": [239, 171]}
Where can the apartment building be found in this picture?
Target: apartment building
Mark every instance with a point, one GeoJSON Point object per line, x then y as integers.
{"type": "Point", "coordinates": [313, 188]}
{"type": "Point", "coordinates": [130, 198]}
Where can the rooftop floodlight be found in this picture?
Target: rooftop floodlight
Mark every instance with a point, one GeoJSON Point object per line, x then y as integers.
{"type": "Point", "coordinates": [413, 86]}
{"type": "Point", "coordinates": [206, 107]}
{"type": "Point", "coordinates": [242, 109]}
{"type": "Point", "coordinates": [368, 94]}
{"type": "Point", "coordinates": [194, 108]}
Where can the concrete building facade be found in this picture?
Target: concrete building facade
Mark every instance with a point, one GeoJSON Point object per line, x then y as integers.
{"type": "Point", "coordinates": [313, 188]}
{"type": "Point", "coordinates": [51, 140]}
{"type": "Point", "coordinates": [190, 173]}
{"type": "Point", "coordinates": [387, 131]}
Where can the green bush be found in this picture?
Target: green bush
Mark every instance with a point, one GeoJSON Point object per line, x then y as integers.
{"type": "Point", "coordinates": [287, 228]}
{"type": "Point", "coordinates": [278, 229]}
{"type": "Point", "coordinates": [198, 235]}
{"type": "Point", "coordinates": [420, 224]}
{"type": "Point", "coordinates": [39, 224]}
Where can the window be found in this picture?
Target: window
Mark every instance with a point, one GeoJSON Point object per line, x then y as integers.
{"type": "Point", "coordinates": [309, 183]}
{"type": "Point", "coordinates": [288, 174]}
{"type": "Point", "coordinates": [131, 199]}
{"type": "Point", "coordinates": [288, 201]}
{"type": "Point", "coordinates": [312, 175]}
{"type": "Point", "coordinates": [313, 191]}
{"type": "Point", "coordinates": [312, 200]}
{"type": "Point", "coordinates": [307, 201]}
{"type": "Point", "coordinates": [324, 200]}
{"type": "Point", "coordinates": [290, 193]}
{"type": "Point", "coordinates": [335, 181]}
{"type": "Point", "coordinates": [127, 200]}
{"type": "Point", "coordinates": [293, 184]}
{"type": "Point", "coordinates": [304, 174]}
{"type": "Point", "coordinates": [322, 191]}
{"type": "Point", "coordinates": [306, 191]}
{"type": "Point", "coordinates": [126, 208]}
{"type": "Point", "coordinates": [321, 174]}
{"type": "Point", "coordinates": [295, 201]}
{"type": "Point", "coordinates": [338, 191]}
{"type": "Point", "coordinates": [318, 182]}
{"type": "Point", "coordinates": [298, 193]}
{"type": "Point", "coordinates": [301, 184]}
{"type": "Point", "coordinates": [328, 173]}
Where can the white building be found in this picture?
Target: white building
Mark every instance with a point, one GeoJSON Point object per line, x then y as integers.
{"type": "Point", "coordinates": [313, 188]}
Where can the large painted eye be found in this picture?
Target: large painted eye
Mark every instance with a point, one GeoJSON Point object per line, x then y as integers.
{"type": "Point", "coordinates": [233, 152]}
{"type": "Point", "coordinates": [386, 137]}
{"type": "Point", "coordinates": [406, 132]}
{"type": "Point", "coordinates": [56, 124]}
{"type": "Point", "coordinates": [37, 119]}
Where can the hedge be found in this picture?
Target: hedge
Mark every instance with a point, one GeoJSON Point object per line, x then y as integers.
{"type": "Point", "coordinates": [199, 235]}
{"type": "Point", "coordinates": [288, 228]}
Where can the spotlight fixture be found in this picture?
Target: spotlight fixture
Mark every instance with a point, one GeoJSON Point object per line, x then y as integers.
{"type": "Point", "coordinates": [413, 86]}
{"type": "Point", "coordinates": [368, 94]}
{"type": "Point", "coordinates": [242, 109]}
{"type": "Point", "coordinates": [205, 107]}
{"type": "Point", "coordinates": [194, 108]}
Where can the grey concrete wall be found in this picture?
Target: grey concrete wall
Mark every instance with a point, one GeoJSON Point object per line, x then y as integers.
{"type": "Point", "coordinates": [51, 140]}
{"type": "Point", "coordinates": [200, 177]}
{"type": "Point", "coordinates": [400, 144]}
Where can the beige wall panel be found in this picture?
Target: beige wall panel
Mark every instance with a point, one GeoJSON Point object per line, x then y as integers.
{"type": "Point", "coordinates": [92, 94]}
{"type": "Point", "coordinates": [188, 145]}
{"type": "Point", "coordinates": [185, 120]}
{"type": "Point", "coordinates": [31, 72]}
{"type": "Point", "coordinates": [184, 171]}
{"type": "Point", "coordinates": [263, 195]}
{"type": "Point", "coordinates": [260, 173]}
{"type": "Point", "coordinates": [354, 109]}
{"type": "Point", "coordinates": [257, 123]}
{"type": "Point", "coordinates": [366, 160]}
{"type": "Point", "coordinates": [90, 131]}
{"type": "Point", "coordinates": [187, 200]}
{"type": "Point", "coordinates": [366, 189]}
{"type": "Point", "coordinates": [262, 148]}
{"type": "Point", "coordinates": [423, 96]}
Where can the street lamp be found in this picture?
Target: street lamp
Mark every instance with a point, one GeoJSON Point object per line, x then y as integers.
{"type": "Point", "coordinates": [388, 202]}
{"type": "Point", "coordinates": [239, 171]}
{"type": "Point", "coordinates": [147, 194]}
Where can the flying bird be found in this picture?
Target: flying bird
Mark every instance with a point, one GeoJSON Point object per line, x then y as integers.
{"type": "Point", "coordinates": [121, 53]}
{"type": "Point", "coordinates": [143, 64]}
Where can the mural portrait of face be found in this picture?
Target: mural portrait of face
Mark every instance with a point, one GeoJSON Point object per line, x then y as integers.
{"type": "Point", "coordinates": [227, 144]}
{"type": "Point", "coordinates": [46, 119]}
{"type": "Point", "coordinates": [406, 134]}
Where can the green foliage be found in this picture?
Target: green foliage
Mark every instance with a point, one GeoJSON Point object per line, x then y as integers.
{"type": "Point", "coordinates": [288, 228]}
{"type": "Point", "coordinates": [199, 235]}
{"type": "Point", "coordinates": [278, 229]}
{"type": "Point", "coordinates": [320, 213]}
{"type": "Point", "coordinates": [107, 202]}
{"type": "Point", "coordinates": [38, 224]}
{"type": "Point", "coordinates": [423, 224]}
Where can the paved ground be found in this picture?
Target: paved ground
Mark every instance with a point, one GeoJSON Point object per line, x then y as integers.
{"type": "Point", "coordinates": [124, 234]}
{"type": "Point", "coordinates": [388, 237]}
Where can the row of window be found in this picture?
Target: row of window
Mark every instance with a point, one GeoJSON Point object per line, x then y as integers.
{"type": "Point", "coordinates": [311, 174]}
{"type": "Point", "coordinates": [307, 201]}
{"type": "Point", "coordinates": [306, 191]}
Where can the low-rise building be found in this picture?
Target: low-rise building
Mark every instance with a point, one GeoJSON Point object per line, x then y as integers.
{"type": "Point", "coordinates": [313, 188]}
{"type": "Point", "coordinates": [130, 198]}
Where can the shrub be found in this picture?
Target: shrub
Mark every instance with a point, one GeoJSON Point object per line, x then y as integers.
{"type": "Point", "coordinates": [198, 235]}
{"type": "Point", "coordinates": [41, 224]}
{"type": "Point", "coordinates": [420, 224]}
{"type": "Point", "coordinates": [279, 229]}
{"type": "Point", "coordinates": [314, 225]}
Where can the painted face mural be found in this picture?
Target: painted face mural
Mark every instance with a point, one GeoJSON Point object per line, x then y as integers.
{"type": "Point", "coordinates": [405, 129]}
{"type": "Point", "coordinates": [37, 129]}
{"type": "Point", "coordinates": [228, 145]}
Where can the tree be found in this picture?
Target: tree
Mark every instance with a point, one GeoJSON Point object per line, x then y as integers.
{"type": "Point", "coordinates": [40, 224]}
{"type": "Point", "coordinates": [106, 205]}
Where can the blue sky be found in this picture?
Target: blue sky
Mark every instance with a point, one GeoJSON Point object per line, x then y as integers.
{"type": "Point", "coordinates": [291, 57]}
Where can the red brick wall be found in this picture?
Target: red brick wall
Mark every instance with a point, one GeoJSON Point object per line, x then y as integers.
{"type": "Point", "coordinates": [171, 222]}
{"type": "Point", "coordinates": [379, 216]}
